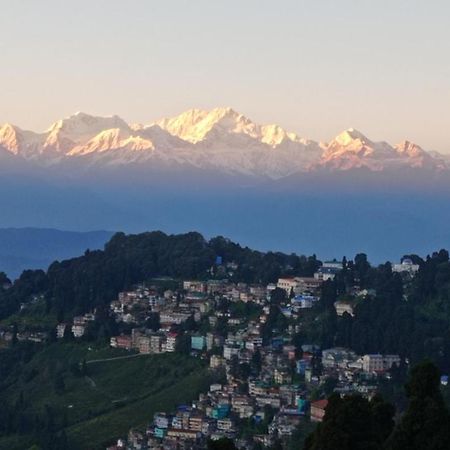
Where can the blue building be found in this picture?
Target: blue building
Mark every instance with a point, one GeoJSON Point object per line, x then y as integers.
{"type": "Point", "coordinates": [198, 342]}
{"type": "Point", "coordinates": [302, 406]}
{"type": "Point", "coordinates": [301, 366]}
{"type": "Point", "coordinates": [221, 411]}
{"type": "Point", "coordinates": [159, 432]}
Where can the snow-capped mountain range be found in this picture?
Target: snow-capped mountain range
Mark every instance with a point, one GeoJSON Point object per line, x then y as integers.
{"type": "Point", "coordinates": [220, 140]}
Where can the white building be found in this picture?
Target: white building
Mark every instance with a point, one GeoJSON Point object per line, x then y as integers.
{"type": "Point", "coordinates": [224, 424]}
{"type": "Point", "coordinates": [60, 329]}
{"type": "Point", "coordinates": [288, 284]}
{"type": "Point", "coordinates": [379, 363]}
{"type": "Point", "coordinates": [337, 357]}
{"type": "Point", "coordinates": [78, 330]}
{"type": "Point", "coordinates": [333, 265]}
{"type": "Point", "coordinates": [299, 285]}
{"type": "Point", "coordinates": [229, 350]}
{"type": "Point", "coordinates": [343, 307]}
{"type": "Point", "coordinates": [171, 342]}
{"type": "Point", "coordinates": [406, 266]}
{"type": "Point", "coordinates": [326, 273]}
{"type": "Point", "coordinates": [373, 363]}
{"type": "Point", "coordinates": [390, 360]}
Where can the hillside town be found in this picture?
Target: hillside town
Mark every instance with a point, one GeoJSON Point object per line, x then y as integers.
{"type": "Point", "coordinates": [268, 384]}
{"type": "Point", "coordinates": [255, 364]}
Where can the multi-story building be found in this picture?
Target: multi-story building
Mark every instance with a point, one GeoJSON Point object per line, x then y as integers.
{"type": "Point", "coordinates": [379, 363]}
{"type": "Point", "coordinates": [171, 342]}
{"type": "Point", "coordinates": [326, 273]}
{"type": "Point", "coordinates": [318, 410]}
{"type": "Point", "coordinates": [194, 286]}
{"type": "Point", "coordinates": [343, 307]}
{"type": "Point", "coordinates": [373, 363]}
{"type": "Point", "coordinates": [390, 360]}
{"type": "Point", "coordinates": [60, 330]}
{"type": "Point", "coordinates": [230, 349]}
{"type": "Point", "coordinates": [156, 342]}
{"type": "Point", "coordinates": [198, 342]}
{"type": "Point", "coordinates": [288, 284]}
{"type": "Point", "coordinates": [124, 342]}
{"type": "Point", "coordinates": [406, 266]}
{"type": "Point", "coordinates": [224, 424]}
{"type": "Point", "coordinates": [144, 345]}
{"type": "Point", "coordinates": [78, 330]}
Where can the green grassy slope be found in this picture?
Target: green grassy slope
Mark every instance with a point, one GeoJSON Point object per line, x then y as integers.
{"type": "Point", "coordinates": [109, 398]}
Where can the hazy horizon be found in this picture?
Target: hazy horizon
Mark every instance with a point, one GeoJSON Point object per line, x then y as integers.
{"type": "Point", "coordinates": [313, 68]}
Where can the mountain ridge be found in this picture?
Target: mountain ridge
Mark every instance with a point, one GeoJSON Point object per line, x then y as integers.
{"type": "Point", "coordinates": [220, 139]}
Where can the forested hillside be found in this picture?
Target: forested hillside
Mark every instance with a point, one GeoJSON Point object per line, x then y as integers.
{"type": "Point", "coordinates": [409, 317]}
{"type": "Point", "coordinates": [401, 313]}
{"type": "Point", "coordinates": [80, 284]}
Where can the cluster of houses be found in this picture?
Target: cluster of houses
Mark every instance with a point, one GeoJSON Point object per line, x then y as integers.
{"type": "Point", "coordinates": [7, 336]}
{"type": "Point", "coordinates": [279, 395]}
{"type": "Point", "coordinates": [77, 327]}
{"type": "Point", "coordinates": [268, 381]}
{"type": "Point", "coordinates": [273, 385]}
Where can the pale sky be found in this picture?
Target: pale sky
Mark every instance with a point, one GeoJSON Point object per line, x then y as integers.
{"type": "Point", "coordinates": [315, 67]}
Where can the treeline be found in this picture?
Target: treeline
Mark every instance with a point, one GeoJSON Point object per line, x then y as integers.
{"type": "Point", "coordinates": [355, 423]}
{"type": "Point", "coordinates": [406, 316]}
{"type": "Point", "coordinates": [93, 280]}
{"type": "Point", "coordinates": [43, 429]}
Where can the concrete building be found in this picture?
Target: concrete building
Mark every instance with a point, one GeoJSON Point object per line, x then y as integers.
{"type": "Point", "coordinates": [198, 343]}
{"type": "Point", "coordinates": [171, 342]}
{"type": "Point", "coordinates": [373, 363]}
{"type": "Point", "coordinates": [326, 273]}
{"type": "Point", "coordinates": [342, 307]}
{"type": "Point", "coordinates": [406, 266]}
{"type": "Point", "coordinates": [318, 410]}
{"type": "Point", "coordinates": [60, 330]}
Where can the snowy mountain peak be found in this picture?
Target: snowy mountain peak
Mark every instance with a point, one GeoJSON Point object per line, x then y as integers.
{"type": "Point", "coordinates": [418, 157]}
{"type": "Point", "coordinates": [195, 124]}
{"type": "Point", "coordinates": [351, 149]}
{"type": "Point", "coordinates": [185, 125]}
{"type": "Point", "coordinates": [20, 142]}
{"type": "Point", "coordinates": [408, 148]}
{"type": "Point", "coordinates": [349, 137]}
{"type": "Point", "coordinates": [112, 139]}
{"type": "Point", "coordinates": [220, 139]}
{"type": "Point", "coordinates": [274, 135]}
{"type": "Point", "coordinates": [10, 138]}
{"type": "Point", "coordinates": [79, 128]}
{"type": "Point", "coordinates": [225, 126]}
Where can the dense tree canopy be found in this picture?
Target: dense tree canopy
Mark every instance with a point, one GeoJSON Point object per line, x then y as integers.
{"type": "Point", "coordinates": [408, 316]}
{"type": "Point", "coordinates": [80, 284]}
{"type": "Point", "coordinates": [352, 423]}
{"type": "Point", "coordinates": [426, 422]}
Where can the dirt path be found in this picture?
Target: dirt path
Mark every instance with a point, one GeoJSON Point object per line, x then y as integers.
{"type": "Point", "coordinates": [92, 361]}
